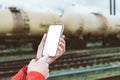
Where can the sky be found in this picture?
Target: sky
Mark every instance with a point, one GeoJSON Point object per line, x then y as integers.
{"type": "Point", "coordinates": [62, 6]}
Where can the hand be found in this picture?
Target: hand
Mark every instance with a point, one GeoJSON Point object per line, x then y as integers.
{"type": "Point", "coordinates": [60, 51]}
{"type": "Point", "coordinates": [41, 46]}
{"type": "Point", "coordinates": [40, 66]}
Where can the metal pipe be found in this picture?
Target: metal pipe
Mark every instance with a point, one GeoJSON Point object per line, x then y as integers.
{"type": "Point", "coordinates": [114, 7]}
{"type": "Point", "coordinates": [110, 7]}
{"type": "Point", "coordinates": [83, 71]}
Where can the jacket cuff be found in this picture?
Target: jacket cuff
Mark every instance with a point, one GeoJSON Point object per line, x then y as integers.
{"type": "Point", "coordinates": [21, 74]}
{"type": "Point", "coordinates": [33, 75]}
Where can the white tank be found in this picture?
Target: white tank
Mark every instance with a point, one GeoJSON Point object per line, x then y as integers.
{"type": "Point", "coordinates": [113, 23]}
{"type": "Point", "coordinates": [39, 22]}
{"type": "Point", "coordinates": [16, 22]}
{"type": "Point", "coordinates": [91, 24]}
{"type": "Point", "coordinates": [30, 23]}
{"type": "Point", "coordinates": [6, 22]}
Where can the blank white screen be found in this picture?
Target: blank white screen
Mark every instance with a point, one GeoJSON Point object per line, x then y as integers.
{"type": "Point", "coordinates": [52, 40]}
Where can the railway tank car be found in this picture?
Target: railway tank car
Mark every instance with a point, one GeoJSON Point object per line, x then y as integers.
{"type": "Point", "coordinates": [94, 27]}
{"type": "Point", "coordinates": [19, 27]}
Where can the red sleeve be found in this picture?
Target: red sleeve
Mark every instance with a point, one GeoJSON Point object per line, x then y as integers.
{"type": "Point", "coordinates": [21, 75]}
{"type": "Point", "coordinates": [34, 76]}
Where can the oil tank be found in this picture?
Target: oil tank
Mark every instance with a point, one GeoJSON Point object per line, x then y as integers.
{"type": "Point", "coordinates": [17, 22]}
{"type": "Point", "coordinates": [21, 26]}
{"type": "Point", "coordinates": [93, 24]}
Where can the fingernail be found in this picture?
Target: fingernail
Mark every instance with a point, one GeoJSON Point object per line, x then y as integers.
{"type": "Point", "coordinates": [63, 36]}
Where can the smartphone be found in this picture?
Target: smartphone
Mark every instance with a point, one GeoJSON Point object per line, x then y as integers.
{"type": "Point", "coordinates": [52, 40]}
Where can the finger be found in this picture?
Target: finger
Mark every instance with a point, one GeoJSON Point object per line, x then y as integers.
{"type": "Point", "coordinates": [62, 44]}
{"type": "Point", "coordinates": [42, 41]}
{"type": "Point", "coordinates": [43, 60]}
{"type": "Point", "coordinates": [51, 59]}
{"type": "Point", "coordinates": [62, 40]}
{"type": "Point", "coordinates": [60, 49]}
{"type": "Point", "coordinates": [40, 47]}
{"type": "Point", "coordinates": [47, 65]}
{"type": "Point", "coordinates": [43, 38]}
{"type": "Point", "coordinates": [39, 55]}
{"type": "Point", "coordinates": [46, 57]}
{"type": "Point", "coordinates": [63, 36]}
{"type": "Point", "coordinates": [31, 62]}
{"type": "Point", "coordinates": [47, 74]}
{"type": "Point", "coordinates": [48, 70]}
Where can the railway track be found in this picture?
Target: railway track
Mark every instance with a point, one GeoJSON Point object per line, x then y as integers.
{"type": "Point", "coordinates": [72, 59]}
{"type": "Point", "coordinates": [17, 51]}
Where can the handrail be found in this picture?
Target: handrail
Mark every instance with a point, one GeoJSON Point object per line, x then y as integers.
{"type": "Point", "coordinates": [83, 71]}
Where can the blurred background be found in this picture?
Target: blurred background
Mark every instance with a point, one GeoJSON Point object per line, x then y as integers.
{"type": "Point", "coordinates": [92, 30]}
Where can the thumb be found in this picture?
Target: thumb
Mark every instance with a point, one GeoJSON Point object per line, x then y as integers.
{"type": "Point", "coordinates": [43, 39]}
{"type": "Point", "coordinates": [31, 62]}
{"type": "Point", "coordinates": [40, 47]}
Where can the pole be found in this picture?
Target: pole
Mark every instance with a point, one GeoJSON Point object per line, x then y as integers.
{"type": "Point", "coordinates": [110, 7]}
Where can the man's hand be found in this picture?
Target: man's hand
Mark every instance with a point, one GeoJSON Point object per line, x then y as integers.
{"type": "Point", "coordinates": [60, 51]}
{"type": "Point", "coordinates": [41, 46]}
{"type": "Point", "coordinates": [40, 66]}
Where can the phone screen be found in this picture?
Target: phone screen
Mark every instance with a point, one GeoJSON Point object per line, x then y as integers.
{"type": "Point", "coordinates": [52, 40]}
